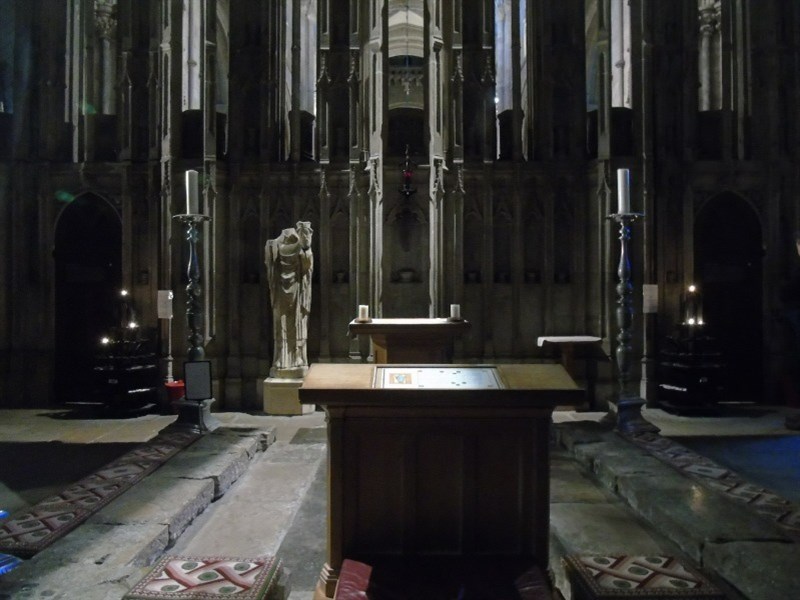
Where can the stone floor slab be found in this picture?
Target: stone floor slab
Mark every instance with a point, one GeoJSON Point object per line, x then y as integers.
{"type": "Point", "coordinates": [571, 483]}
{"type": "Point", "coordinates": [168, 501]}
{"type": "Point", "coordinates": [600, 528]}
{"type": "Point", "coordinates": [760, 570]}
{"type": "Point", "coordinates": [254, 514]}
{"type": "Point", "coordinates": [111, 545]}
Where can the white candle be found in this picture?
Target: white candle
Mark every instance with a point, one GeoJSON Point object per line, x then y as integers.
{"type": "Point", "coordinates": [363, 312]}
{"type": "Point", "coordinates": [455, 311]}
{"type": "Point", "coordinates": [192, 204]}
{"type": "Point", "coordinates": [624, 191]}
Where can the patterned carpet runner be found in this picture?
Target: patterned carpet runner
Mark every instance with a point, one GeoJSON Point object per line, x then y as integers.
{"type": "Point", "coordinates": [192, 578]}
{"type": "Point", "coordinates": [639, 577]}
{"type": "Point", "coordinates": [33, 529]}
{"type": "Point", "coordinates": [704, 470]}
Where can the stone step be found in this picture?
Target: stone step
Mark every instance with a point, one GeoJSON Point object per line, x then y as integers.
{"type": "Point", "coordinates": [103, 558]}
{"type": "Point", "coordinates": [745, 554]}
{"type": "Point", "coordinates": [254, 517]}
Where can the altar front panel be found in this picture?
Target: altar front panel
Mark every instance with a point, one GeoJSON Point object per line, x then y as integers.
{"type": "Point", "coordinates": [442, 486]}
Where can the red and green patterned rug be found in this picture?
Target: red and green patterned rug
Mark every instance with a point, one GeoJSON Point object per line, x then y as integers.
{"type": "Point", "coordinates": [612, 577]}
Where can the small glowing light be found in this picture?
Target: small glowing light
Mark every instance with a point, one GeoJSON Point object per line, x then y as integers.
{"type": "Point", "coordinates": [132, 325]}
{"type": "Point", "coordinates": [700, 322]}
{"type": "Point", "coordinates": [497, 100]}
{"type": "Point", "coordinates": [692, 288]}
{"type": "Point", "coordinates": [691, 321]}
{"type": "Point", "coordinates": [105, 341]}
{"type": "Point", "coordinates": [64, 196]}
{"type": "Point", "coordinates": [123, 293]}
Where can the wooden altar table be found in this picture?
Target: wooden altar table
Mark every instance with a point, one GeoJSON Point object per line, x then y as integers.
{"type": "Point", "coordinates": [411, 340]}
{"type": "Point", "coordinates": [433, 461]}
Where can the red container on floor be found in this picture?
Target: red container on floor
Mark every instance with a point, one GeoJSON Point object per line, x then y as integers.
{"type": "Point", "coordinates": [175, 390]}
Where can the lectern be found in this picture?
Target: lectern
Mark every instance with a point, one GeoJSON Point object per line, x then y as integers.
{"type": "Point", "coordinates": [437, 462]}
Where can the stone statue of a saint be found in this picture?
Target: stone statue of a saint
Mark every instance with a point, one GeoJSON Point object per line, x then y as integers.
{"type": "Point", "coordinates": [290, 262]}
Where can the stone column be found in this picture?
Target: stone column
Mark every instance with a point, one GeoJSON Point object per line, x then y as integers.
{"type": "Point", "coordinates": [126, 121]}
{"type": "Point", "coordinates": [604, 94]}
{"type": "Point", "coordinates": [619, 56]}
{"type": "Point", "coordinates": [375, 194]}
{"type": "Point", "coordinates": [106, 27]}
{"type": "Point", "coordinates": [323, 109]}
{"type": "Point", "coordinates": [209, 183]}
{"type": "Point", "coordinates": [375, 57]}
{"type": "Point", "coordinates": [356, 113]}
{"type": "Point", "coordinates": [436, 242]}
{"type": "Point", "coordinates": [326, 261]}
{"type": "Point", "coordinates": [709, 25]}
{"type": "Point", "coordinates": [192, 55]}
{"type": "Point", "coordinates": [165, 122]}
{"type": "Point", "coordinates": [456, 120]}
{"type": "Point", "coordinates": [294, 115]}
{"type": "Point", "coordinates": [487, 80]}
{"type": "Point", "coordinates": [516, 84]}
{"type": "Point", "coordinates": [360, 254]}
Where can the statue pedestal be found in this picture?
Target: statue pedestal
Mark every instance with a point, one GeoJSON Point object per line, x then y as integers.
{"type": "Point", "coordinates": [281, 397]}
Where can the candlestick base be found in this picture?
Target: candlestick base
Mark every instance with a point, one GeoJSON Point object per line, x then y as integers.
{"type": "Point", "coordinates": [360, 320]}
{"type": "Point", "coordinates": [194, 417]}
{"type": "Point", "coordinates": [629, 419]}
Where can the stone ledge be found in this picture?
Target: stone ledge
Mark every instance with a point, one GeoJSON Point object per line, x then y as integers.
{"type": "Point", "coordinates": [221, 469]}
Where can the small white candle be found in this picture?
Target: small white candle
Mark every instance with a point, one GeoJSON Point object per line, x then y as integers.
{"type": "Point", "coordinates": [192, 204]}
{"type": "Point", "coordinates": [363, 312]}
{"type": "Point", "coordinates": [455, 311]}
{"type": "Point", "coordinates": [624, 191]}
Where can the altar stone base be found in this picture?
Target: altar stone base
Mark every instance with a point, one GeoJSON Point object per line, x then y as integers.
{"type": "Point", "coordinates": [281, 398]}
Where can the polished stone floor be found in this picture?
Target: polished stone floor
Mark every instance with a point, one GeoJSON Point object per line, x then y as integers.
{"type": "Point", "coordinates": [257, 486]}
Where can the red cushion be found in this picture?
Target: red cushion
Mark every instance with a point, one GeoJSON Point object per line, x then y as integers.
{"type": "Point", "coordinates": [353, 581]}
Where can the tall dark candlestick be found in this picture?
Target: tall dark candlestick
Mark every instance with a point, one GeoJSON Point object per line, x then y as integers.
{"type": "Point", "coordinates": [194, 415]}
{"type": "Point", "coordinates": [194, 291]}
{"type": "Point", "coordinates": [624, 302]}
{"type": "Point", "coordinates": [629, 405]}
